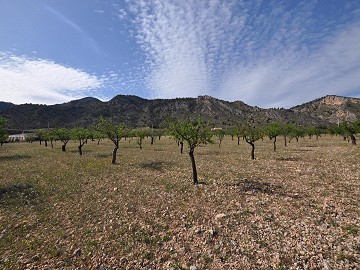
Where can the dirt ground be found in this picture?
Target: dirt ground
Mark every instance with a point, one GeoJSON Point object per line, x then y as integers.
{"type": "Point", "coordinates": [296, 208]}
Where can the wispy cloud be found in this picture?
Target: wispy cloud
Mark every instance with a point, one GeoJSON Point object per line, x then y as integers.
{"type": "Point", "coordinates": [25, 80]}
{"type": "Point", "coordinates": [266, 53]}
{"type": "Point", "coordinates": [89, 40]}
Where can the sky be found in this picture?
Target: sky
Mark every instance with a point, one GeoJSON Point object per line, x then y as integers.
{"type": "Point", "coordinates": [266, 53]}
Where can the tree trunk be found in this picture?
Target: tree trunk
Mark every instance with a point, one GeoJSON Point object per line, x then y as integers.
{"type": "Point", "coordinates": [181, 147]}
{"type": "Point", "coordinates": [152, 140]}
{"type": "Point", "coordinates": [52, 145]}
{"type": "Point", "coordinates": [275, 143]}
{"type": "Point", "coordinates": [63, 147]}
{"type": "Point", "coordinates": [114, 154]}
{"type": "Point", "coordinates": [285, 141]}
{"type": "Point", "coordinates": [45, 143]}
{"type": "Point", "coordinates": [353, 139]}
{"type": "Point", "coordinates": [80, 149]}
{"type": "Point", "coordinates": [252, 150]}
{"type": "Point", "coordinates": [238, 140]}
{"type": "Point", "coordinates": [195, 177]}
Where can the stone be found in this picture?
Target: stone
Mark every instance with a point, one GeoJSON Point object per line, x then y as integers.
{"type": "Point", "coordinates": [193, 267]}
{"type": "Point", "coordinates": [327, 265]}
{"type": "Point", "coordinates": [220, 216]}
{"type": "Point", "coordinates": [77, 252]}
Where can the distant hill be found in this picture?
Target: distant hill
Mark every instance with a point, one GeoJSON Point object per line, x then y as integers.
{"type": "Point", "coordinates": [6, 105]}
{"type": "Point", "coordinates": [332, 108]}
{"type": "Point", "coordinates": [138, 112]}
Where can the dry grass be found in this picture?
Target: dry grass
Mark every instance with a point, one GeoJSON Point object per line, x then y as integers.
{"type": "Point", "coordinates": [297, 208]}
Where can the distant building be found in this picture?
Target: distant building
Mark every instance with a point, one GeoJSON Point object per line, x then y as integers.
{"type": "Point", "coordinates": [19, 137]}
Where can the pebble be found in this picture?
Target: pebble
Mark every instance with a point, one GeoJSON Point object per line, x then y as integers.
{"type": "Point", "coordinates": [193, 267]}
{"type": "Point", "coordinates": [77, 252]}
{"type": "Point", "coordinates": [327, 265]}
{"type": "Point", "coordinates": [219, 216]}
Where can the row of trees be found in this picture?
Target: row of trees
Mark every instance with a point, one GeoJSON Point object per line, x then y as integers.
{"type": "Point", "coordinates": [193, 132]}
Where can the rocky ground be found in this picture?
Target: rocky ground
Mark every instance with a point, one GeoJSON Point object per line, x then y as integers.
{"type": "Point", "coordinates": [297, 208]}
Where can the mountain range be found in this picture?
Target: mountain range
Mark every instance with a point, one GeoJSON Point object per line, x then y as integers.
{"type": "Point", "coordinates": [138, 112]}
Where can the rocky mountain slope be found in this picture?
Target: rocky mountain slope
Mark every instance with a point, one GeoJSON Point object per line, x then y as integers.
{"type": "Point", "coordinates": [332, 108]}
{"type": "Point", "coordinates": [138, 112]}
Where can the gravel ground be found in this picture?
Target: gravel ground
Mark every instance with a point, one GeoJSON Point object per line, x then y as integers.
{"type": "Point", "coordinates": [297, 208]}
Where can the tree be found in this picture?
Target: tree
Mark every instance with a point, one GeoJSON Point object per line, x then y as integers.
{"type": "Point", "coordinates": [113, 132]}
{"type": "Point", "coordinates": [296, 133]}
{"type": "Point", "coordinates": [63, 135]}
{"type": "Point", "coordinates": [3, 133]}
{"type": "Point", "coordinates": [42, 135]}
{"type": "Point", "coordinates": [251, 135]}
{"type": "Point", "coordinates": [350, 130]}
{"type": "Point", "coordinates": [193, 132]}
{"type": "Point", "coordinates": [81, 135]}
{"type": "Point", "coordinates": [286, 131]}
{"type": "Point", "coordinates": [220, 134]}
{"type": "Point", "coordinates": [239, 132]}
{"type": "Point", "coordinates": [140, 135]}
{"type": "Point", "coordinates": [273, 131]}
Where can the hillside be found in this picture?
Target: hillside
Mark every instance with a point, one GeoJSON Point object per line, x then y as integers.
{"type": "Point", "coordinates": [138, 112]}
{"type": "Point", "coordinates": [332, 108]}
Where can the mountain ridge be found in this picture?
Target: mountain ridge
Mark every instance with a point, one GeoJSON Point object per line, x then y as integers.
{"type": "Point", "coordinates": [140, 112]}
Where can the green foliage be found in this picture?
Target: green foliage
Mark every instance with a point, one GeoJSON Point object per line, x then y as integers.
{"type": "Point", "coordinates": [111, 130]}
{"type": "Point", "coordinates": [220, 134]}
{"type": "Point", "coordinates": [80, 134]}
{"type": "Point", "coordinates": [273, 130]}
{"type": "Point", "coordinates": [3, 133]}
{"type": "Point", "coordinates": [140, 135]}
{"type": "Point", "coordinates": [63, 135]}
{"type": "Point", "coordinates": [251, 135]}
{"type": "Point", "coordinates": [194, 132]}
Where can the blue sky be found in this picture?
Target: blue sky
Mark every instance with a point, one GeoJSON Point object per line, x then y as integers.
{"type": "Point", "coordinates": [265, 53]}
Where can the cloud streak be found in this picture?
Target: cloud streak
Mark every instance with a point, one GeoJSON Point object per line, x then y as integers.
{"type": "Point", "coordinates": [26, 80]}
{"type": "Point", "coordinates": [265, 53]}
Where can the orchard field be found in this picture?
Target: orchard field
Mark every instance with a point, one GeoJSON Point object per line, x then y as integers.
{"type": "Point", "coordinates": [296, 208]}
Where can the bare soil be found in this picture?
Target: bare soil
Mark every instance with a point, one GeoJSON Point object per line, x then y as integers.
{"type": "Point", "coordinates": [296, 208]}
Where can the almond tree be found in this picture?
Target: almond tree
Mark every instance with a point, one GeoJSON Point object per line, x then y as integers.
{"type": "Point", "coordinates": [350, 130]}
{"type": "Point", "coordinates": [220, 134]}
{"type": "Point", "coordinates": [113, 132]}
{"type": "Point", "coordinates": [251, 135]}
{"type": "Point", "coordinates": [286, 131]}
{"type": "Point", "coordinates": [81, 135]}
{"type": "Point", "coordinates": [273, 131]}
{"type": "Point", "coordinates": [194, 132]}
{"type": "Point", "coordinates": [63, 135]}
{"type": "Point", "coordinates": [140, 135]}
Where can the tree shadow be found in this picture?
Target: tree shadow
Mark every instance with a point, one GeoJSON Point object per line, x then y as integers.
{"type": "Point", "coordinates": [251, 187]}
{"type": "Point", "coordinates": [19, 194]}
{"type": "Point", "coordinates": [156, 166]}
{"type": "Point", "coordinates": [288, 159]}
{"type": "Point", "coordinates": [14, 157]}
{"type": "Point", "coordinates": [104, 155]}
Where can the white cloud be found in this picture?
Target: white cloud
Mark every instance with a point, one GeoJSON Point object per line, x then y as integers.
{"type": "Point", "coordinates": [26, 80]}
{"type": "Point", "coordinates": [266, 53]}
{"type": "Point", "coordinates": [288, 80]}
